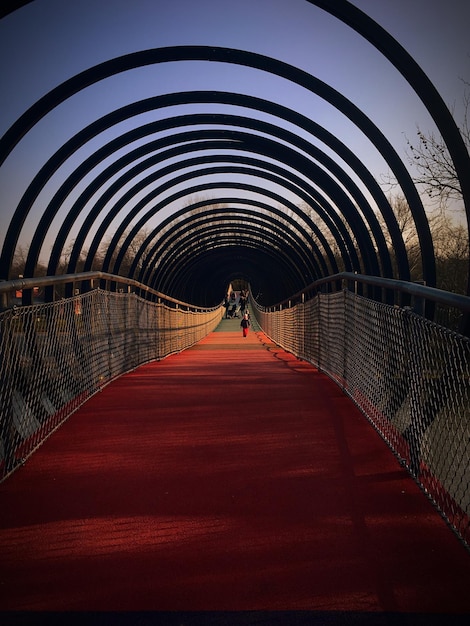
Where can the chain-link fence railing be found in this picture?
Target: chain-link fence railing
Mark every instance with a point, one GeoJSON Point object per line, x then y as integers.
{"type": "Point", "coordinates": [54, 356]}
{"type": "Point", "coordinates": [408, 375]}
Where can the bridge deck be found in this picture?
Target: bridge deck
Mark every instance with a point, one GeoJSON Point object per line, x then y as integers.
{"type": "Point", "coordinates": [229, 477]}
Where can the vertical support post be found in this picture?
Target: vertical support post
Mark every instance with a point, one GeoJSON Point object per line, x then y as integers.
{"type": "Point", "coordinates": [412, 432]}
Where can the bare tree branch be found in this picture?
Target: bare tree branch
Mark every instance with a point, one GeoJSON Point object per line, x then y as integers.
{"type": "Point", "coordinates": [432, 161]}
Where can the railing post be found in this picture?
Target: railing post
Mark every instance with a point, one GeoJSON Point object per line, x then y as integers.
{"type": "Point", "coordinates": [347, 332]}
{"type": "Point", "coordinates": [4, 300]}
{"type": "Point", "coordinates": [412, 432]}
{"type": "Point", "coordinates": [419, 303]}
{"type": "Point", "coordinates": [320, 338]}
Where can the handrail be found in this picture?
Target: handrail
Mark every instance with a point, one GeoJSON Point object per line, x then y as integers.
{"type": "Point", "coordinates": [438, 296]}
{"type": "Point", "coordinates": [8, 286]}
{"type": "Point", "coordinates": [414, 289]}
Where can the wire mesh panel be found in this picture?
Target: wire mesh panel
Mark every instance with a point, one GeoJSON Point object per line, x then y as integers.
{"type": "Point", "coordinates": [409, 376]}
{"type": "Point", "coordinates": [55, 356]}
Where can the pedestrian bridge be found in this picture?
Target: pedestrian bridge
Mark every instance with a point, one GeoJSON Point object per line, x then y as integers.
{"type": "Point", "coordinates": [320, 464]}
{"type": "Point", "coordinates": [152, 458]}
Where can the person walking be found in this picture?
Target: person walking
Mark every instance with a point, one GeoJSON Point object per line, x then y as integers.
{"type": "Point", "coordinates": [245, 324]}
{"type": "Point", "coordinates": [226, 305]}
{"type": "Point", "coordinates": [242, 302]}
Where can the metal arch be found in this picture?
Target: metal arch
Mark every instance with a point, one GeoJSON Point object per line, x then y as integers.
{"type": "Point", "coordinates": [207, 186]}
{"type": "Point", "coordinates": [87, 224]}
{"type": "Point", "coordinates": [183, 232]}
{"type": "Point", "coordinates": [181, 252]}
{"type": "Point", "coordinates": [419, 81]}
{"type": "Point", "coordinates": [201, 119]}
{"type": "Point", "coordinates": [143, 220]}
{"type": "Point", "coordinates": [331, 166]}
{"type": "Point", "coordinates": [231, 215]}
{"type": "Point", "coordinates": [327, 162]}
{"type": "Point", "coordinates": [284, 269]}
{"type": "Point", "coordinates": [244, 265]}
{"type": "Point", "coordinates": [286, 114]}
{"type": "Point", "coordinates": [54, 205]}
{"type": "Point", "coordinates": [154, 250]}
{"type": "Point", "coordinates": [311, 197]}
{"type": "Point", "coordinates": [251, 232]}
{"type": "Point", "coordinates": [256, 61]}
{"type": "Point", "coordinates": [110, 171]}
{"type": "Point", "coordinates": [176, 151]}
{"type": "Point", "coordinates": [276, 179]}
{"type": "Point", "coordinates": [107, 220]}
{"type": "Point", "coordinates": [341, 200]}
{"type": "Point", "coordinates": [57, 240]}
{"type": "Point", "coordinates": [147, 271]}
{"type": "Point", "coordinates": [340, 225]}
{"type": "Point", "coordinates": [10, 6]}
{"type": "Point", "coordinates": [223, 237]}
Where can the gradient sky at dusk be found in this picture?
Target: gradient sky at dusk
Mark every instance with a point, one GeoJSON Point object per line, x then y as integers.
{"type": "Point", "coordinates": [48, 41]}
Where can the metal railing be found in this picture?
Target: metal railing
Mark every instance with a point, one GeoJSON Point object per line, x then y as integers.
{"type": "Point", "coordinates": [55, 355]}
{"type": "Point", "coordinates": [409, 375]}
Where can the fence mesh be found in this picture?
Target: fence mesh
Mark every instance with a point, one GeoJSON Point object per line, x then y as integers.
{"type": "Point", "coordinates": [408, 375]}
{"type": "Point", "coordinates": [55, 356]}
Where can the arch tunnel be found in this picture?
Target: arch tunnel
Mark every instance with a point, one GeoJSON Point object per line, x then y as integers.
{"type": "Point", "coordinates": [223, 167]}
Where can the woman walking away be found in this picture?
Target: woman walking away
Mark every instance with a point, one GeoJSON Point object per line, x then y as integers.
{"type": "Point", "coordinates": [245, 324]}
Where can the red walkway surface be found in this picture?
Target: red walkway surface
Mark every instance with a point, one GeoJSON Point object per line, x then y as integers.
{"type": "Point", "coordinates": [231, 477]}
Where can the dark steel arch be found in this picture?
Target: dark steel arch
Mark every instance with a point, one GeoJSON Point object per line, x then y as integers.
{"type": "Point", "coordinates": [351, 261]}
{"type": "Point", "coordinates": [54, 206]}
{"type": "Point", "coordinates": [310, 196]}
{"type": "Point", "coordinates": [184, 218]}
{"type": "Point", "coordinates": [286, 284]}
{"type": "Point", "coordinates": [419, 81]}
{"type": "Point", "coordinates": [201, 227]}
{"type": "Point", "coordinates": [350, 258]}
{"type": "Point", "coordinates": [271, 108]}
{"type": "Point", "coordinates": [295, 224]}
{"type": "Point", "coordinates": [244, 236]}
{"type": "Point", "coordinates": [354, 218]}
{"type": "Point", "coordinates": [329, 186]}
{"type": "Point", "coordinates": [297, 186]}
{"type": "Point", "coordinates": [8, 6]}
{"type": "Point", "coordinates": [242, 58]}
{"type": "Point", "coordinates": [247, 264]}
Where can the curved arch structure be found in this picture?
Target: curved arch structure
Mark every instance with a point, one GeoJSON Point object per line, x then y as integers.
{"type": "Point", "coordinates": [238, 187]}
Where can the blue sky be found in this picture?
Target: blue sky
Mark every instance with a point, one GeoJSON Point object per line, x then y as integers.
{"type": "Point", "coordinates": [47, 41]}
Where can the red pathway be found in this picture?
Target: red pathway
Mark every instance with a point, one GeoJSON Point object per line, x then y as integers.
{"type": "Point", "coordinates": [230, 477]}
